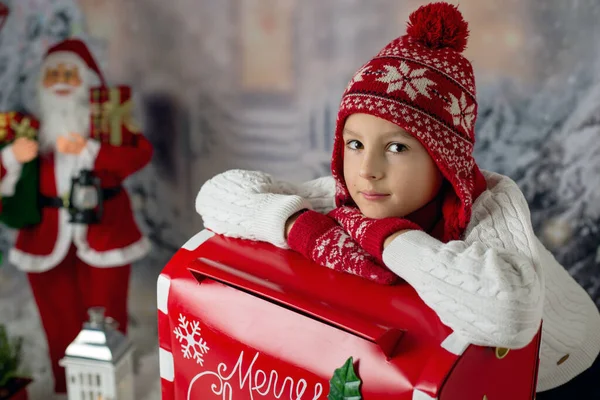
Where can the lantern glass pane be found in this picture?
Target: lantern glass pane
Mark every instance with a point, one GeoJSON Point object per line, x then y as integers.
{"type": "Point", "coordinates": [85, 198]}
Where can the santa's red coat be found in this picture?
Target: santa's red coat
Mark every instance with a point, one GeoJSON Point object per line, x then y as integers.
{"type": "Point", "coordinates": [115, 241]}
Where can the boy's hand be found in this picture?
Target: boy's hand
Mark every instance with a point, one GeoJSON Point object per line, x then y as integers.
{"type": "Point", "coordinates": [290, 222]}
{"type": "Point", "coordinates": [320, 239]}
{"type": "Point", "coordinates": [369, 233]}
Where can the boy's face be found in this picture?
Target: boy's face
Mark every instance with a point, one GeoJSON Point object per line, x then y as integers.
{"type": "Point", "coordinates": [388, 172]}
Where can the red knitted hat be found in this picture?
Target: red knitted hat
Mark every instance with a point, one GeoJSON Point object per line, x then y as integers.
{"type": "Point", "coordinates": [79, 49]}
{"type": "Point", "coordinates": [423, 84]}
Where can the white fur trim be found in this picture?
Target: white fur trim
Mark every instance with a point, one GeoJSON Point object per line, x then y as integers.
{"type": "Point", "coordinates": [91, 78]}
{"type": "Point", "coordinates": [65, 168]}
{"type": "Point", "coordinates": [198, 239]}
{"type": "Point", "coordinates": [111, 258]}
{"type": "Point", "coordinates": [455, 344]}
{"type": "Point", "coordinates": [34, 263]}
{"type": "Point", "coordinates": [418, 395]}
{"type": "Point", "coordinates": [116, 257]}
{"type": "Point", "coordinates": [167, 366]}
{"type": "Point", "coordinates": [13, 171]}
{"type": "Point", "coordinates": [163, 285]}
{"type": "Point", "coordinates": [87, 157]}
{"type": "Point", "coordinates": [64, 57]}
{"type": "Point", "coordinates": [68, 166]}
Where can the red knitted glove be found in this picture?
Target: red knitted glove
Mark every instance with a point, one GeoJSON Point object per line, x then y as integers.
{"type": "Point", "coordinates": [369, 233]}
{"type": "Point", "coordinates": [320, 239]}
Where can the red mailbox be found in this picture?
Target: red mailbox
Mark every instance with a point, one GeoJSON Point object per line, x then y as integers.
{"type": "Point", "coordinates": [245, 320]}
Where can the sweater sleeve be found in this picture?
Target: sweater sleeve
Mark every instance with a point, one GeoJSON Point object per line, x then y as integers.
{"type": "Point", "coordinates": [253, 205]}
{"type": "Point", "coordinates": [487, 288]}
{"type": "Point", "coordinates": [319, 192]}
{"type": "Point", "coordinates": [248, 205]}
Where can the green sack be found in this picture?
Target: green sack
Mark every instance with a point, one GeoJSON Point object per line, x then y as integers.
{"type": "Point", "coordinates": [23, 209]}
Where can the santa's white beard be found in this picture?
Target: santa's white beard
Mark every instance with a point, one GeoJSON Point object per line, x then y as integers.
{"type": "Point", "coordinates": [62, 115]}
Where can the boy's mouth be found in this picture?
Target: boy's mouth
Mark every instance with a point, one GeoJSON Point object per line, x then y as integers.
{"type": "Point", "coordinates": [373, 196]}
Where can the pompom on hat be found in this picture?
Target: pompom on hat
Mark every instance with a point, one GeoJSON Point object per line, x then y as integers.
{"type": "Point", "coordinates": [422, 83]}
{"type": "Point", "coordinates": [75, 48]}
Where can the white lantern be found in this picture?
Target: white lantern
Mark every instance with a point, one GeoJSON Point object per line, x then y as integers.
{"type": "Point", "coordinates": [99, 362]}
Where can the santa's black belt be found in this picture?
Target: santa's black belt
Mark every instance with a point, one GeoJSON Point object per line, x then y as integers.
{"type": "Point", "coordinates": [58, 202]}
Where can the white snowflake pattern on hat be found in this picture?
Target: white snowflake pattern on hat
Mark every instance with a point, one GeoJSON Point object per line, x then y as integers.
{"type": "Point", "coordinates": [462, 113]}
{"type": "Point", "coordinates": [412, 82]}
{"type": "Point", "coordinates": [358, 77]}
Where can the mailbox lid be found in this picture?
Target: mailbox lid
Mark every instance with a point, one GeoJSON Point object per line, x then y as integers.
{"type": "Point", "coordinates": [287, 278]}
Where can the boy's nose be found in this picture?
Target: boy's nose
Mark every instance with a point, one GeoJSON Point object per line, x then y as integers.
{"type": "Point", "coordinates": [370, 169]}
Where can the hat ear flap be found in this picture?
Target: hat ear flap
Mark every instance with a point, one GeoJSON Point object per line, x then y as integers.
{"type": "Point", "coordinates": [453, 214]}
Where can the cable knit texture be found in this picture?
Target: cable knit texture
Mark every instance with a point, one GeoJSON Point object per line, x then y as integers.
{"type": "Point", "coordinates": [249, 205]}
{"type": "Point", "coordinates": [493, 287]}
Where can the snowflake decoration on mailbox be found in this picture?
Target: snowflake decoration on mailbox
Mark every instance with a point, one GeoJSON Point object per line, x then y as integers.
{"type": "Point", "coordinates": [193, 346]}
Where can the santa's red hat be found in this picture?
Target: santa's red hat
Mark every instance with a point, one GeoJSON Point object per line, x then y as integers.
{"type": "Point", "coordinates": [79, 49]}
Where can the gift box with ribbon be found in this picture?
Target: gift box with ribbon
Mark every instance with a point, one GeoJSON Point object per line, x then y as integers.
{"type": "Point", "coordinates": [14, 125]}
{"type": "Point", "coordinates": [111, 115]}
{"type": "Point", "coordinates": [22, 208]}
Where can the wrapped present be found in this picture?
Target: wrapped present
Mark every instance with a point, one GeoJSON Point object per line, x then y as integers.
{"type": "Point", "coordinates": [111, 115]}
{"type": "Point", "coordinates": [22, 208]}
{"type": "Point", "coordinates": [14, 124]}
{"type": "Point", "coordinates": [241, 320]}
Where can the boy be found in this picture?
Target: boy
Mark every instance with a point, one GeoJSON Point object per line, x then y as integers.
{"type": "Point", "coordinates": [410, 202]}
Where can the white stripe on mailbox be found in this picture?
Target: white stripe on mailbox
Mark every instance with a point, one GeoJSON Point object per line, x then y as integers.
{"type": "Point", "coordinates": [418, 395]}
{"type": "Point", "coordinates": [455, 344]}
{"type": "Point", "coordinates": [167, 366]}
{"type": "Point", "coordinates": [163, 285]}
{"type": "Point", "coordinates": [198, 239]}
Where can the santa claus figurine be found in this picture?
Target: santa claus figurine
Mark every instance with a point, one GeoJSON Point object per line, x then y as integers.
{"type": "Point", "coordinates": [72, 266]}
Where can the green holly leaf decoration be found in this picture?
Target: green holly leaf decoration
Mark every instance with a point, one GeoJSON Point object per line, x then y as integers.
{"type": "Point", "coordinates": [345, 385]}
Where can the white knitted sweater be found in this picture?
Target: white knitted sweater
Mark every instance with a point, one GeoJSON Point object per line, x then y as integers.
{"type": "Point", "coordinates": [492, 288]}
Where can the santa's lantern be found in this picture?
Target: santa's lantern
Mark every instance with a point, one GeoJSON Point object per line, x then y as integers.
{"type": "Point", "coordinates": [85, 199]}
{"type": "Point", "coordinates": [99, 362]}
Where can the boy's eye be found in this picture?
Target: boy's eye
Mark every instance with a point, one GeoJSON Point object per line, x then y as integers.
{"type": "Point", "coordinates": [397, 147]}
{"type": "Point", "coordinates": [354, 145]}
